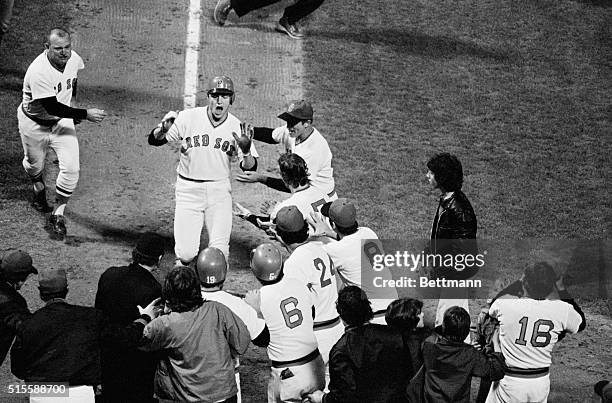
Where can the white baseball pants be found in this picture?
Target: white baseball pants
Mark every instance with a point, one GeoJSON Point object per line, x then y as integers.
{"type": "Point", "coordinates": [198, 203]}
{"type": "Point", "coordinates": [306, 378]}
{"type": "Point", "coordinates": [61, 137]}
{"type": "Point", "coordinates": [513, 389]}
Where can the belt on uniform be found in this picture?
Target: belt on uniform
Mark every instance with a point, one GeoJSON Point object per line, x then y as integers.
{"type": "Point", "coordinates": [326, 324]}
{"type": "Point", "coordinates": [527, 372]}
{"type": "Point", "coordinates": [380, 313]}
{"type": "Point", "coordinates": [193, 180]}
{"type": "Point", "coordinates": [332, 193]}
{"type": "Point", "coordinates": [293, 363]}
{"type": "Point", "coordinates": [42, 122]}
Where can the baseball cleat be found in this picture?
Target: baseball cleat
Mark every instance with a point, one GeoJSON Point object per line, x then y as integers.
{"type": "Point", "coordinates": [241, 211]}
{"type": "Point", "coordinates": [290, 29]}
{"type": "Point", "coordinates": [222, 10]}
{"type": "Point", "coordinates": [39, 202]}
{"type": "Point", "coordinates": [58, 225]}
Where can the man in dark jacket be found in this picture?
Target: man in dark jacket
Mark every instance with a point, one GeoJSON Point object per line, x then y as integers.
{"type": "Point", "coordinates": [59, 342]}
{"type": "Point", "coordinates": [369, 363]}
{"type": "Point", "coordinates": [15, 268]}
{"type": "Point", "coordinates": [127, 373]}
{"type": "Point", "coordinates": [453, 231]}
{"type": "Point", "coordinates": [449, 363]}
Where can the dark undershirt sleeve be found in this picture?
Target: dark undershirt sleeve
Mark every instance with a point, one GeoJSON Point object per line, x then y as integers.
{"type": "Point", "coordinates": [263, 134]}
{"type": "Point", "coordinates": [156, 142]}
{"type": "Point", "coordinates": [56, 108]}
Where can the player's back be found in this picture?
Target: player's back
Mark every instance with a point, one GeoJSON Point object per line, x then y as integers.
{"type": "Point", "coordinates": [308, 200]}
{"type": "Point", "coordinates": [286, 307]}
{"type": "Point", "coordinates": [530, 328]}
{"type": "Point", "coordinates": [240, 308]}
{"type": "Point", "coordinates": [351, 260]}
{"type": "Point", "coordinates": [311, 265]}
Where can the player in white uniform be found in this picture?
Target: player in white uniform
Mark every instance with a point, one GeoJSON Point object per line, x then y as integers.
{"type": "Point", "coordinates": [311, 265]}
{"type": "Point", "coordinates": [46, 119]}
{"type": "Point", "coordinates": [298, 136]}
{"type": "Point", "coordinates": [351, 248]}
{"type": "Point", "coordinates": [286, 305]}
{"type": "Point", "coordinates": [203, 191]}
{"type": "Point", "coordinates": [304, 196]}
{"type": "Point", "coordinates": [529, 328]}
{"type": "Point", "coordinates": [211, 269]}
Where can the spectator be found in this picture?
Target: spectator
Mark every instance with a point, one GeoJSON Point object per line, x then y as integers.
{"type": "Point", "coordinates": [368, 363]}
{"type": "Point", "coordinates": [406, 315]}
{"type": "Point", "coordinates": [449, 364]}
{"type": "Point", "coordinates": [530, 326]}
{"type": "Point", "coordinates": [59, 342]}
{"type": "Point", "coordinates": [288, 22]}
{"type": "Point", "coordinates": [127, 373]}
{"type": "Point", "coordinates": [15, 268]}
{"type": "Point", "coordinates": [454, 229]}
{"type": "Point", "coordinates": [199, 337]}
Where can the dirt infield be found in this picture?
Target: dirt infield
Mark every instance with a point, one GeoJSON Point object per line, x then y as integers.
{"type": "Point", "coordinates": [520, 91]}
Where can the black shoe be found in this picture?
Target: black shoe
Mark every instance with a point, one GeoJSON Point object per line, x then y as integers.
{"type": "Point", "coordinates": [290, 29]}
{"type": "Point", "coordinates": [222, 10]}
{"type": "Point", "coordinates": [58, 225]}
{"type": "Point", "coordinates": [39, 202]}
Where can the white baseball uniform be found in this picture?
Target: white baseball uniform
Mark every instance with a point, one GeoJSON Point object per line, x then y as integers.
{"type": "Point", "coordinates": [350, 257]}
{"type": "Point", "coordinates": [203, 189]}
{"type": "Point", "coordinates": [297, 367]}
{"type": "Point", "coordinates": [40, 130]}
{"type": "Point", "coordinates": [528, 331]}
{"type": "Point", "coordinates": [307, 200]}
{"type": "Point", "coordinates": [312, 266]}
{"type": "Point", "coordinates": [245, 312]}
{"type": "Point", "coordinates": [317, 154]}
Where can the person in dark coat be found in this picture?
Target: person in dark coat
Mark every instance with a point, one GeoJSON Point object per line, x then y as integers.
{"type": "Point", "coordinates": [368, 363]}
{"type": "Point", "coordinates": [59, 342]}
{"type": "Point", "coordinates": [127, 373]}
{"type": "Point", "coordinates": [15, 268]}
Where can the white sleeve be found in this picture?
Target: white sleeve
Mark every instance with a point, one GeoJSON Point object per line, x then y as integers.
{"type": "Point", "coordinates": [494, 309]}
{"type": "Point", "coordinates": [174, 133]}
{"type": "Point", "coordinates": [280, 134]}
{"type": "Point", "coordinates": [251, 320]}
{"type": "Point", "coordinates": [80, 64]}
{"type": "Point", "coordinates": [573, 320]}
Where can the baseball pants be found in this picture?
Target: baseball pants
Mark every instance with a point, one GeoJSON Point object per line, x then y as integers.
{"type": "Point", "coordinates": [76, 394]}
{"type": "Point", "coordinates": [198, 203]}
{"type": "Point", "coordinates": [326, 338]}
{"type": "Point", "coordinates": [513, 389]}
{"type": "Point", "coordinates": [61, 137]}
{"type": "Point", "coordinates": [294, 13]}
{"type": "Point", "coordinates": [306, 378]}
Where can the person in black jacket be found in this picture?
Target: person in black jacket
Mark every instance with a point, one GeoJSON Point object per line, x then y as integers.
{"type": "Point", "coordinates": [127, 373]}
{"type": "Point", "coordinates": [59, 342]}
{"type": "Point", "coordinates": [453, 231]}
{"type": "Point", "coordinates": [368, 363]}
{"type": "Point", "coordinates": [15, 268]}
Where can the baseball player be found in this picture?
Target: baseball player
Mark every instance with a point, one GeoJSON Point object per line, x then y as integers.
{"type": "Point", "coordinates": [529, 328]}
{"type": "Point", "coordinates": [203, 191]}
{"type": "Point", "coordinates": [46, 119]}
{"type": "Point", "coordinates": [211, 269]}
{"type": "Point", "coordinates": [351, 248]}
{"type": "Point", "coordinates": [298, 136]}
{"type": "Point", "coordinates": [310, 264]}
{"type": "Point", "coordinates": [306, 198]}
{"type": "Point", "coordinates": [285, 304]}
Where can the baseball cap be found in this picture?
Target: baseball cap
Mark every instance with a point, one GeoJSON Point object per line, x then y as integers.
{"type": "Point", "coordinates": [150, 245]}
{"type": "Point", "coordinates": [52, 280]}
{"type": "Point", "coordinates": [341, 212]}
{"type": "Point", "coordinates": [604, 390]}
{"type": "Point", "coordinates": [289, 219]}
{"type": "Point", "coordinates": [301, 110]}
{"type": "Point", "coordinates": [16, 265]}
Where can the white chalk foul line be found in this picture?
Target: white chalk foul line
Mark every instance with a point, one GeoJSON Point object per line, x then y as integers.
{"type": "Point", "coordinates": [192, 50]}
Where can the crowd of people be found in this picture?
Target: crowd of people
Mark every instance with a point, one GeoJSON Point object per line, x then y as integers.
{"type": "Point", "coordinates": [330, 335]}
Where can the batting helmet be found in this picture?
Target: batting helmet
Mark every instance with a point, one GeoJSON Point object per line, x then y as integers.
{"type": "Point", "coordinates": [211, 267]}
{"type": "Point", "coordinates": [266, 262]}
{"type": "Point", "coordinates": [221, 85]}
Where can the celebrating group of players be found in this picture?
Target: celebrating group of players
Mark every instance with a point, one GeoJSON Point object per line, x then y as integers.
{"type": "Point", "coordinates": [296, 303]}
